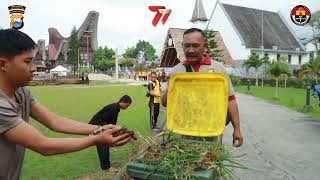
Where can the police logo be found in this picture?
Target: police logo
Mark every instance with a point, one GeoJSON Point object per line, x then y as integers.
{"type": "Point", "coordinates": [300, 15]}
{"type": "Point", "coordinates": [16, 12]}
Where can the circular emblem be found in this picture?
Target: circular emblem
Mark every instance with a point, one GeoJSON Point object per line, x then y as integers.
{"type": "Point", "coordinates": [300, 15]}
{"type": "Point", "coordinates": [17, 23]}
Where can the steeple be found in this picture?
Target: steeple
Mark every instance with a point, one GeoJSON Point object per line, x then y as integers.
{"type": "Point", "coordinates": [199, 18]}
{"type": "Point", "coordinates": [198, 12]}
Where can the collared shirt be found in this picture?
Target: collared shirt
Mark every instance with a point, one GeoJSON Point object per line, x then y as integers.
{"type": "Point", "coordinates": [207, 65]}
{"type": "Point", "coordinates": [205, 61]}
{"type": "Point", "coordinates": [107, 115]}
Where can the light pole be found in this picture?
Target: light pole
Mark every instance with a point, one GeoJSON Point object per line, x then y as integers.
{"type": "Point", "coordinates": [262, 49]}
{"type": "Point", "coordinates": [117, 64]}
{"type": "Point", "coordinates": [308, 107]}
{"type": "Point", "coordinates": [78, 57]}
{"type": "Point", "coordinates": [87, 51]}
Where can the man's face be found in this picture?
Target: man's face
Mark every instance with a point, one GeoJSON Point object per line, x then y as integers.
{"type": "Point", "coordinates": [194, 46]}
{"type": "Point", "coordinates": [153, 77]}
{"type": "Point", "coordinates": [19, 70]}
{"type": "Point", "coordinates": [124, 105]}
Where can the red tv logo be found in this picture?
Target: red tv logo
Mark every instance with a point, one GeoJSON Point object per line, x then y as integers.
{"type": "Point", "coordinates": [161, 11]}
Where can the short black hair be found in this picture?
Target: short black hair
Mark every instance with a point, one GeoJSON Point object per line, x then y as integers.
{"type": "Point", "coordinates": [191, 30]}
{"type": "Point", "coordinates": [126, 99]}
{"type": "Point", "coordinates": [13, 42]}
{"type": "Point", "coordinates": [153, 73]}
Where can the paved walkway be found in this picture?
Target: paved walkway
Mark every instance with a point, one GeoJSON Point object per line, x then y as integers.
{"type": "Point", "coordinates": [279, 143]}
{"type": "Point", "coordinates": [100, 76]}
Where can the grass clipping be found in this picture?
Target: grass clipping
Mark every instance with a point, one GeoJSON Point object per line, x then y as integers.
{"type": "Point", "coordinates": [178, 158]}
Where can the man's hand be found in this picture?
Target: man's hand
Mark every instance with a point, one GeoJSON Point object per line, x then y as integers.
{"type": "Point", "coordinates": [109, 126]}
{"type": "Point", "coordinates": [106, 137]}
{"type": "Point", "coordinates": [237, 138]}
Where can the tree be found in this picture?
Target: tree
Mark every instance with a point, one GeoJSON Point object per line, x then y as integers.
{"type": "Point", "coordinates": [97, 57]}
{"type": "Point", "coordinates": [84, 70]}
{"type": "Point", "coordinates": [265, 65]}
{"type": "Point", "coordinates": [213, 50]}
{"type": "Point", "coordinates": [253, 62]}
{"type": "Point", "coordinates": [126, 61]}
{"type": "Point", "coordinates": [74, 45]}
{"type": "Point", "coordinates": [153, 65]}
{"type": "Point", "coordinates": [147, 49]}
{"type": "Point", "coordinates": [139, 67]}
{"type": "Point", "coordinates": [106, 64]}
{"type": "Point", "coordinates": [278, 68]}
{"type": "Point", "coordinates": [315, 24]}
{"type": "Point", "coordinates": [141, 47]}
{"type": "Point", "coordinates": [103, 58]}
{"type": "Point", "coordinates": [131, 52]}
{"type": "Point", "coordinates": [311, 69]}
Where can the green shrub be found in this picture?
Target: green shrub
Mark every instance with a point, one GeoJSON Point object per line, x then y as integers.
{"type": "Point", "coordinates": [235, 80]}
{"type": "Point", "coordinates": [84, 70]}
{"type": "Point", "coordinates": [291, 82]}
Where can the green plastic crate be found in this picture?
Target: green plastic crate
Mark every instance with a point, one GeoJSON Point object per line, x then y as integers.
{"type": "Point", "coordinates": [139, 171]}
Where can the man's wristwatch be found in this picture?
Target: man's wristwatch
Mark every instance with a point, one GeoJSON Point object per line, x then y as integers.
{"type": "Point", "coordinates": [97, 130]}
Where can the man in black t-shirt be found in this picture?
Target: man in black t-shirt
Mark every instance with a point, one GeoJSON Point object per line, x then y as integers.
{"type": "Point", "coordinates": [109, 115]}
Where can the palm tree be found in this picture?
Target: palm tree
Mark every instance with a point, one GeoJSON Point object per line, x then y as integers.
{"type": "Point", "coordinates": [265, 65]}
{"type": "Point", "coordinates": [311, 69]}
{"type": "Point", "coordinates": [276, 69]}
{"type": "Point", "coordinates": [286, 76]}
{"type": "Point", "coordinates": [253, 62]}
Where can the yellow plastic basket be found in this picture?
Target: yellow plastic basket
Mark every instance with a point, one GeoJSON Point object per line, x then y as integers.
{"type": "Point", "coordinates": [197, 104]}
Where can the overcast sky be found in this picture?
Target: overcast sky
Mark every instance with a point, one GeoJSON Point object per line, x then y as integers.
{"type": "Point", "coordinates": [123, 22]}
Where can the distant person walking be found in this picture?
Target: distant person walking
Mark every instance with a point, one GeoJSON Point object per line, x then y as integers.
{"type": "Point", "coordinates": [82, 79]}
{"type": "Point", "coordinates": [87, 79]}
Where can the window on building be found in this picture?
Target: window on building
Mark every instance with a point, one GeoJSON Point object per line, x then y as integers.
{"type": "Point", "coordinates": [311, 56]}
{"type": "Point", "coordinates": [266, 56]}
{"type": "Point", "coordinates": [278, 57]}
{"type": "Point", "coordinates": [300, 57]}
{"type": "Point", "coordinates": [289, 58]}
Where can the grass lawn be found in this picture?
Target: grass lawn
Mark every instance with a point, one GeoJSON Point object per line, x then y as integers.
{"type": "Point", "coordinates": [81, 102]}
{"type": "Point", "coordinates": [292, 98]}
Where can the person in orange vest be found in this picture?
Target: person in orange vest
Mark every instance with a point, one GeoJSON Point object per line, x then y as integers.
{"type": "Point", "coordinates": [154, 91]}
{"type": "Point", "coordinates": [143, 74]}
{"type": "Point", "coordinates": [140, 75]}
{"type": "Point", "coordinates": [158, 75]}
{"type": "Point", "coordinates": [148, 75]}
{"type": "Point", "coordinates": [163, 77]}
